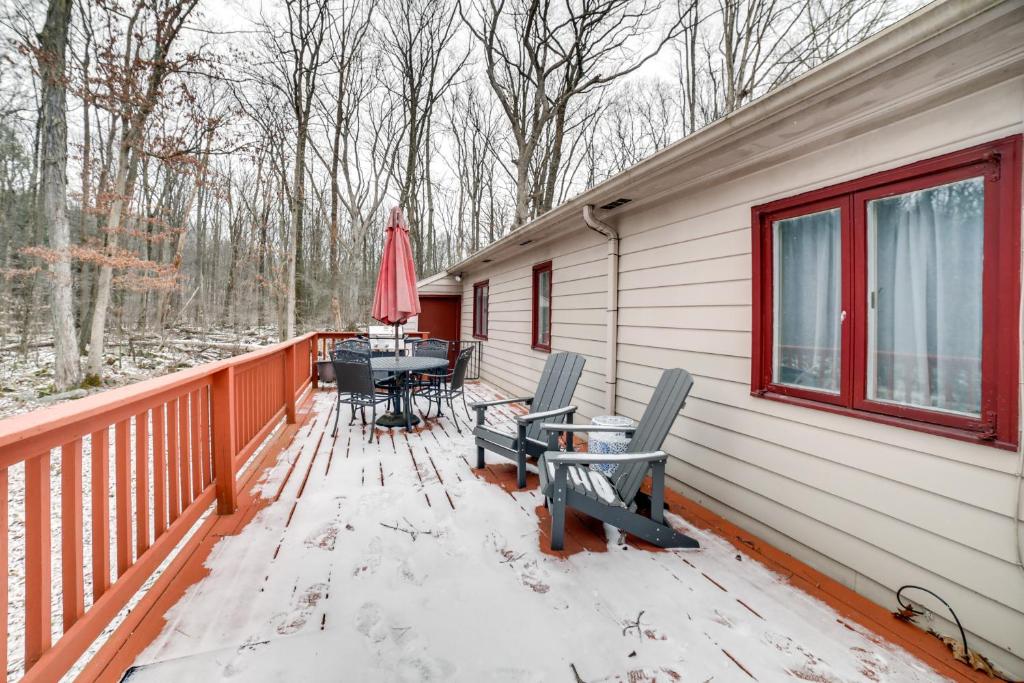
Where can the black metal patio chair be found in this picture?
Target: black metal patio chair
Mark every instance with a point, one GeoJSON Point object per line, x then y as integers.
{"type": "Point", "coordinates": [427, 382]}
{"type": "Point", "coordinates": [451, 386]}
{"type": "Point", "coordinates": [356, 386]}
{"type": "Point", "coordinates": [551, 403]}
{"type": "Point", "coordinates": [361, 344]}
{"type": "Point", "coordinates": [354, 344]}
{"type": "Point", "coordinates": [567, 481]}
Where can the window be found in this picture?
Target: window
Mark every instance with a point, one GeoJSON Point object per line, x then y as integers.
{"type": "Point", "coordinates": [895, 297]}
{"type": "Point", "coordinates": [541, 338]}
{"type": "Point", "coordinates": [480, 303]}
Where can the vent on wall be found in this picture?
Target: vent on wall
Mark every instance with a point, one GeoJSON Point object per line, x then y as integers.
{"type": "Point", "coordinates": [616, 204]}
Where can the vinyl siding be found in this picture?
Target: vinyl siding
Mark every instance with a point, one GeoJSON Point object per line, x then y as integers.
{"type": "Point", "coordinates": [873, 506]}
{"type": "Point", "coordinates": [578, 293]}
{"type": "Point", "coordinates": [439, 285]}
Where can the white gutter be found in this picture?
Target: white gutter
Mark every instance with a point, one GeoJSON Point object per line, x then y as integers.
{"type": "Point", "coordinates": [612, 313]}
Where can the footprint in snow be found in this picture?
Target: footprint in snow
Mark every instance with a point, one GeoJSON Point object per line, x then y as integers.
{"type": "Point", "coordinates": [370, 562]}
{"type": "Point", "coordinates": [418, 668]}
{"type": "Point", "coordinates": [369, 622]}
{"type": "Point", "coordinates": [526, 567]}
{"type": "Point", "coordinates": [305, 602]}
{"type": "Point", "coordinates": [401, 647]}
{"type": "Point", "coordinates": [408, 573]}
{"type": "Point", "coordinates": [324, 537]}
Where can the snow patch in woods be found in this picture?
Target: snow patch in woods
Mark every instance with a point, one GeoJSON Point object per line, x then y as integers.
{"type": "Point", "coordinates": [26, 378]}
{"type": "Point", "coordinates": [361, 578]}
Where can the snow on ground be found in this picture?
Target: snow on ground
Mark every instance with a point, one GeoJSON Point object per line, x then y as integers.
{"type": "Point", "coordinates": [26, 379]}
{"type": "Point", "coordinates": [363, 570]}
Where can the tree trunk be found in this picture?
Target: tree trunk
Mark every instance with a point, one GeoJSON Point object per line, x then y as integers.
{"type": "Point", "coordinates": [127, 169]}
{"type": "Point", "coordinates": [335, 264]}
{"type": "Point", "coordinates": [298, 199]}
{"type": "Point", "coordinates": [53, 189]}
{"type": "Point", "coordinates": [261, 268]}
{"type": "Point", "coordinates": [554, 162]}
{"type": "Point", "coordinates": [522, 189]}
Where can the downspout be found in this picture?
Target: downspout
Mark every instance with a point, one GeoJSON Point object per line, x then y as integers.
{"type": "Point", "coordinates": [612, 315]}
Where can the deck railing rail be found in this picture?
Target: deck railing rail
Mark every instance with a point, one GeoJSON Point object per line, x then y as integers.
{"type": "Point", "coordinates": [163, 450]}
{"type": "Point", "coordinates": [327, 340]}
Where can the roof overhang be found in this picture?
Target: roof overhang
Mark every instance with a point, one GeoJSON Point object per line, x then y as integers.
{"type": "Point", "coordinates": [436, 277]}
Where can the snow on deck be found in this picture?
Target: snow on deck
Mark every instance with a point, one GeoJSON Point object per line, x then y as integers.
{"type": "Point", "coordinates": [393, 561]}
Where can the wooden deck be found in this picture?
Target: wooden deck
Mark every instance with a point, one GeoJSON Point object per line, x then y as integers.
{"type": "Point", "coordinates": [396, 560]}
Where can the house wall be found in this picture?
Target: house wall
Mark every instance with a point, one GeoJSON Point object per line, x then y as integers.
{"type": "Point", "coordinates": [873, 506]}
{"type": "Point", "coordinates": [578, 291]}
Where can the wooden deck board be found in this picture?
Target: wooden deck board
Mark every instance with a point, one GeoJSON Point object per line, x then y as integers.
{"type": "Point", "coordinates": [299, 572]}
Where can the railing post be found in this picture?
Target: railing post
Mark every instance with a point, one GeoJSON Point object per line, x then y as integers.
{"type": "Point", "coordinates": [223, 433]}
{"type": "Point", "coordinates": [289, 383]}
{"type": "Point", "coordinates": [37, 558]}
{"type": "Point", "coordinates": [315, 352]}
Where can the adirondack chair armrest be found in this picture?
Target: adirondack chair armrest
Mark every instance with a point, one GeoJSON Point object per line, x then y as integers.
{"type": "Point", "coordinates": [559, 458]}
{"type": "Point", "coordinates": [561, 427]}
{"type": "Point", "coordinates": [481, 406]}
{"type": "Point", "coordinates": [547, 414]}
{"type": "Point", "coordinates": [500, 402]}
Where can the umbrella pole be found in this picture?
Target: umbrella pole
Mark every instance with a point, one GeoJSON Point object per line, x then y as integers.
{"type": "Point", "coordinates": [396, 342]}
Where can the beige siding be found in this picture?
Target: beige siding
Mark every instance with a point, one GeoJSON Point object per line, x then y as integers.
{"type": "Point", "coordinates": [578, 290]}
{"type": "Point", "coordinates": [439, 284]}
{"type": "Point", "coordinates": [874, 506]}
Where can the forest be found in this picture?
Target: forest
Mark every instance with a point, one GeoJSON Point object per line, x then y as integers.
{"type": "Point", "coordinates": [222, 167]}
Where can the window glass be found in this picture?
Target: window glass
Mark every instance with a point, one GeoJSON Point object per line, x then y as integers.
{"type": "Point", "coordinates": [807, 300]}
{"type": "Point", "coordinates": [924, 297]}
{"type": "Point", "coordinates": [480, 310]}
{"type": "Point", "coordinates": [544, 308]}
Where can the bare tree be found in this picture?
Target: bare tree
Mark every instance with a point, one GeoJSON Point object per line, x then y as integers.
{"type": "Point", "coordinates": [297, 49]}
{"type": "Point", "coordinates": [734, 50]}
{"type": "Point", "coordinates": [352, 86]}
{"type": "Point", "coordinates": [53, 151]}
{"type": "Point", "coordinates": [198, 211]}
{"type": "Point", "coordinates": [134, 88]}
{"type": "Point", "coordinates": [539, 56]}
{"type": "Point", "coordinates": [475, 131]}
{"type": "Point", "coordinates": [416, 38]}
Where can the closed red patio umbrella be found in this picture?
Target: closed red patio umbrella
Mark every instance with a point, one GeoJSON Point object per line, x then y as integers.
{"type": "Point", "coordinates": [395, 299]}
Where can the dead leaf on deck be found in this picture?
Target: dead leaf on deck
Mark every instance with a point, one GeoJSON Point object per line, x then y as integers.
{"type": "Point", "coordinates": [905, 614]}
{"type": "Point", "coordinates": [973, 659]}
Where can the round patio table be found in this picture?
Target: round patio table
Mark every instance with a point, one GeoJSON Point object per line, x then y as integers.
{"type": "Point", "coordinates": [401, 368]}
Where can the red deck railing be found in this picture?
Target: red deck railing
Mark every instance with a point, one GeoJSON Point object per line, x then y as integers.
{"type": "Point", "coordinates": [164, 450]}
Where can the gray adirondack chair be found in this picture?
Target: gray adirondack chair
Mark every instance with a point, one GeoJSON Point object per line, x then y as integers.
{"type": "Point", "coordinates": [551, 403]}
{"type": "Point", "coordinates": [567, 481]}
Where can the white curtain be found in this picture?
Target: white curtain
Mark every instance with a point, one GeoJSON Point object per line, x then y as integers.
{"type": "Point", "coordinates": [544, 307]}
{"type": "Point", "coordinates": [926, 275]}
{"type": "Point", "coordinates": [807, 296]}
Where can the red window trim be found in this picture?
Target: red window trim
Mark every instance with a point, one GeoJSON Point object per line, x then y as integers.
{"type": "Point", "coordinates": [534, 344]}
{"type": "Point", "coordinates": [476, 320]}
{"type": "Point", "coordinates": [1000, 163]}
